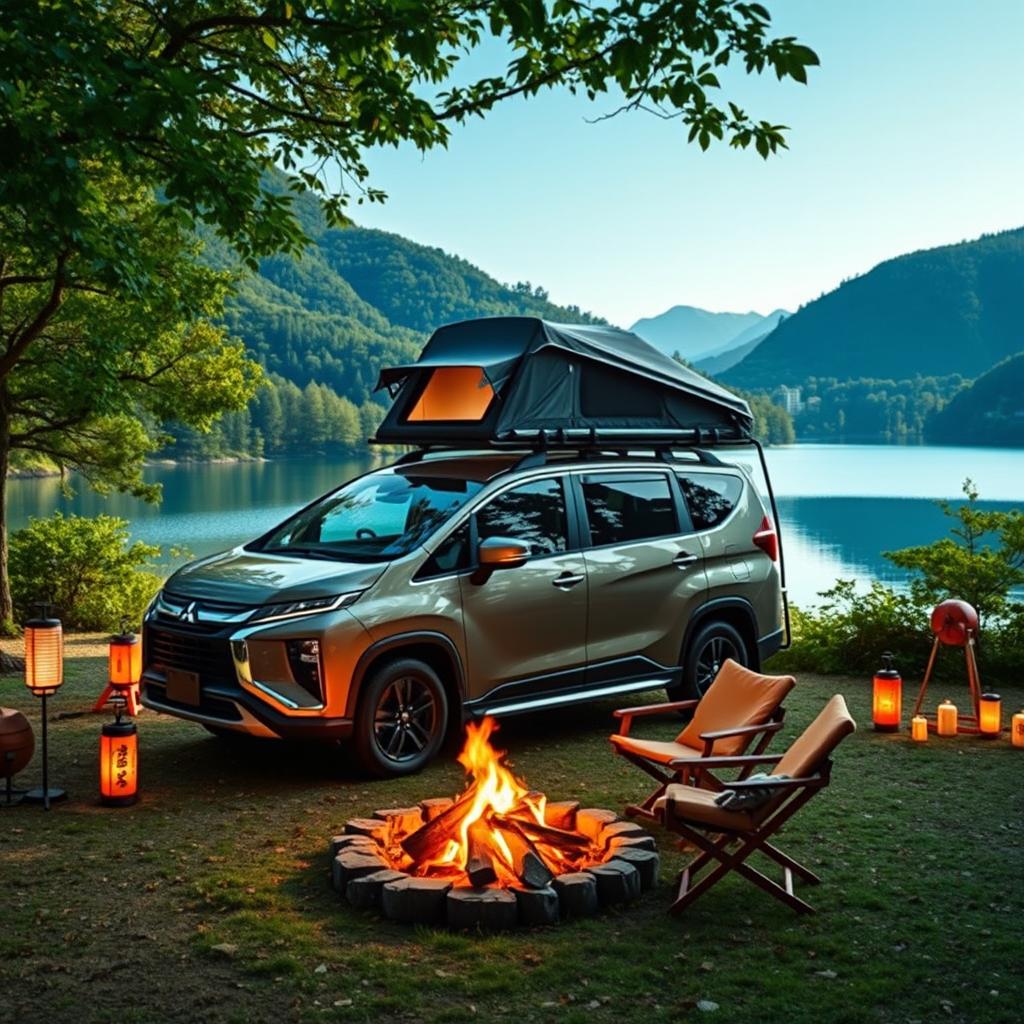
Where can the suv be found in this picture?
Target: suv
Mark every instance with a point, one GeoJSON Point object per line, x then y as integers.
{"type": "Point", "coordinates": [453, 585]}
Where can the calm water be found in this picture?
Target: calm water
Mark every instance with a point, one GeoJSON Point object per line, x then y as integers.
{"type": "Point", "coordinates": [841, 505]}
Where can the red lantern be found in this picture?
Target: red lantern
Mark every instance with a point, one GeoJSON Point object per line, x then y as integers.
{"type": "Point", "coordinates": [887, 697]}
{"type": "Point", "coordinates": [119, 764]}
{"type": "Point", "coordinates": [124, 670]}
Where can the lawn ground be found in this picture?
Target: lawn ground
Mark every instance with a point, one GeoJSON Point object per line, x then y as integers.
{"type": "Point", "coordinates": [210, 899]}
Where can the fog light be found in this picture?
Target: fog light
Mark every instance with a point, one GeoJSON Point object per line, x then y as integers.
{"type": "Point", "coordinates": [304, 660]}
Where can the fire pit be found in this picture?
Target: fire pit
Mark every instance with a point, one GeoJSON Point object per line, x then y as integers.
{"type": "Point", "coordinates": [496, 856]}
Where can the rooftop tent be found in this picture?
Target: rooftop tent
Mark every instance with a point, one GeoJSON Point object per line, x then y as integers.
{"type": "Point", "coordinates": [520, 381]}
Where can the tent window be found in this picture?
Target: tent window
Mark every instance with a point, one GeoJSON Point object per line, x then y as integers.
{"type": "Point", "coordinates": [453, 393]}
{"type": "Point", "coordinates": [607, 392]}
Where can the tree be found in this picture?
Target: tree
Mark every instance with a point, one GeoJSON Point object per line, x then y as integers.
{"type": "Point", "coordinates": [979, 564]}
{"type": "Point", "coordinates": [128, 124]}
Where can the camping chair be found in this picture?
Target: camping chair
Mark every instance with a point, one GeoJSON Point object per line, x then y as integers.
{"type": "Point", "coordinates": [693, 813]}
{"type": "Point", "coordinates": [737, 707]}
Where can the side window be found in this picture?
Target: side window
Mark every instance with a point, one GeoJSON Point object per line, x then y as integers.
{"type": "Point", "coordinates": [710, 497]}
{"type": "Point", "coordinates": [533, 513]}
{"type": "Point", "coordinates": [451, 556]}
{"type": "Point", "coordinates": [624, 508]}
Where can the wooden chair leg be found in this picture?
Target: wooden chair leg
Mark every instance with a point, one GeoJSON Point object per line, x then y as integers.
{"type": "Point", "coordinates": [790, 863]}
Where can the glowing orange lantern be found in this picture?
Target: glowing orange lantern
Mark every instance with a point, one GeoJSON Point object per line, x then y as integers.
{"type": "Point", "coordinates": [887, 697]}
{"type": "Point", "coordinates": [44, 656]}
{"type": "Point", "coordinates": [1017, 729]}
{"type": "Point", "coordinates": [990, 714]}
{"type": "Point", "coordinates": [119, 764]}
{"type": "Point", "coordinates": [946, 719]}
{"type": "Point", "coordinates": [919, 729]}
{"type": "Point", "coordinates": [124, 670]}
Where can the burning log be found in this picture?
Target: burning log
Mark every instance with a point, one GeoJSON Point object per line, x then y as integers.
{"type": "Point", "coordinates": [480, 867]}
{"type": "Point", "coordinates": [431, 837]}
{"type": "Point", "coordinates": [527, 863]}
{"type": "Point", "coordinates": [545, 833]}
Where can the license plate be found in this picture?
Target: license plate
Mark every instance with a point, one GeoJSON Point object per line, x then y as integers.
{"type": "Point", "coordinates": [182, 686]}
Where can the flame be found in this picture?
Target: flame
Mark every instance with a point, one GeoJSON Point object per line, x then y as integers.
{"type": "Point", "coordinates": [493, 810]}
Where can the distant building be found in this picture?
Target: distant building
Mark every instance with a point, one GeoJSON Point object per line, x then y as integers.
{"type": "Point", "coordinates": [789, 398]}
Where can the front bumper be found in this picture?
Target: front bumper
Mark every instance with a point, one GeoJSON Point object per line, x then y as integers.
{"type": "Point", "coordinates": [217, 650]}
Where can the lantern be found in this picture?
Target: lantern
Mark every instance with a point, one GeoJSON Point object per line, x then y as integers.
{"type": "Point", "coordinates": [124, 670]}
{"type": "Point", "coordinates": [887, 697]}
{"type": "Point", "coordinates": [990, 714]}
{"type": "Point", "coordinates": [1017, 729]}
{"type": "Point", "coordinates": [44, 656]}
{"type": "Point", "coordinates": [919, 729]}
{"type": "Point", "coordinates": [119, 764]}
{"type": "Point", "coordinates": [946, 719]}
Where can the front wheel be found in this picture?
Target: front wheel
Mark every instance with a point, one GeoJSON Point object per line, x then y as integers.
{"type": "Point", "coordinates": [401, 720]}
{"type": "Point", "coordinates": [708, 651]}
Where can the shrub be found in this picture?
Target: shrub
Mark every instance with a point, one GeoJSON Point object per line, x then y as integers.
{"type": "Point", "coordinates": [86, 567]}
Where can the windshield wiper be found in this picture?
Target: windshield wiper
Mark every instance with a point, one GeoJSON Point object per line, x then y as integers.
{"type": "Point", "coordinates": [330, 556]}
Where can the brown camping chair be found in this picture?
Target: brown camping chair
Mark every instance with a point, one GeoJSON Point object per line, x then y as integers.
{"type": "Point", "coordinates": [726, 838]}
{"type": "Point", "coordinates": [737, 707]}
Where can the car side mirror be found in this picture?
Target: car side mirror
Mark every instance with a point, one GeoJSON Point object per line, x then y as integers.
{"type": "Point", "coordinates": [502, 553]}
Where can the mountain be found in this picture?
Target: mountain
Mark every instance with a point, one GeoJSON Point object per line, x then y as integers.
{"type": "Point", "coordinates": [695, 333]}
{"type": "Point", "coordinates": [953, 309]}
{"type": "Point", "coordinates": [714, 365]}
{"type": "Point", "coordinates": [989, 412]}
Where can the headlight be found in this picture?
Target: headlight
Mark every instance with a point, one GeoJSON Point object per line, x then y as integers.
{"type": "Point", "coordinates": [296, 609]}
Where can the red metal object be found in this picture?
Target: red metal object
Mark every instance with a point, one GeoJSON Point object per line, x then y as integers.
{"type": "Point", "coordinates": [953, 622]}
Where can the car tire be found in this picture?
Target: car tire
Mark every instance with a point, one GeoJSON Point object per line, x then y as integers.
{"type": "Point", "coordinates": [710, 646]}
{"type": "Point", "coordinates": [401, 719]}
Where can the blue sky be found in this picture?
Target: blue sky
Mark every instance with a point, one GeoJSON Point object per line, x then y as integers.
{"type": "Point", "coordinates": [911, 134]}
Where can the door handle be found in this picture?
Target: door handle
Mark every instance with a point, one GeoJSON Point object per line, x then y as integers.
{"type": "Point", "coordinates": [683, 559]}
{"type": "Point", "coordinates": [567, 580]}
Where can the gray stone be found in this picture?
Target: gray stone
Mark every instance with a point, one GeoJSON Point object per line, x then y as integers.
{"type": "Point", "coordinates": [492, 910]}
{"type": "Point", "coordinates": [646, 862]}
{"type": "Point", "coordinates": [561, 814]}
{"type": "Point", "coordinates": [644, 842]}
{"type": "Point", "coordinates": [365, 892]}
{"type": "Point", "coordinates": [617, 882]}
{"type": "Point", "coordinates": [401, 820]}
{"type": "Point", "coordinates": [435, 805]}
{"type": "Point", "coordinates": [372, 827]}
{"type": "Point", "coordinates": [620, 829]}
{"type": "Point", "coordinates": [537, 906]}
{"type": "Point", "coordinates": [591, 821]}
{"type": "Point", "coordinates": [415, 900]}
{"type": "Point", "coordinates": [354, 863]}
{"type": "Point", "coordinates": [339, 843]}
{"type": "Point", "coordinates": [577, 893]}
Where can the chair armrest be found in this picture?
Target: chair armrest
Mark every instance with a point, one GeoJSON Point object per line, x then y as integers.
{"type": "Point", "coordinates": [773, 783]}
{"type": "Point", "coordinates": [734, 761]}
{"type": "Point", "coordinates": [741, 730]}
{"type": "Point", "coordinates": [626, 715]}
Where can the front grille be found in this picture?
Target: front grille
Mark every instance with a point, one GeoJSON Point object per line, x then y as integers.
{"type": "Point", "coordinates": [208, 656]}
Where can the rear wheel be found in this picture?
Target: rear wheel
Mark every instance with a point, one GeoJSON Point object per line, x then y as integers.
{"type": "Point", "coordinates": [401, 720]}
{"type": "Point", "coordinates": [708, 651]}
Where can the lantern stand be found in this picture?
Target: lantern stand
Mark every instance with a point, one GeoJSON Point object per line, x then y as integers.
{"type": "Point", "coordinates": [124, 673]}
{"type": "Point", "coordinates": [955, 624]}
{"type": "Point", "coordinates": [44, 675]}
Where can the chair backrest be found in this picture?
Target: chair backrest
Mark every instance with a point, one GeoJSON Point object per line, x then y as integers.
{"type": "Point", "coordinates": [737, 697]}
{"type": "Point", "coordinates": [809, 751]}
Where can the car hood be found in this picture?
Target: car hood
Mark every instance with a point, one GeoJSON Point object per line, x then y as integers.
{"type": "Point", "coordinates": [252, 578]}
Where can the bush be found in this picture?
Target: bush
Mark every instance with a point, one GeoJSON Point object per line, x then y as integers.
{"type": "Point", "coordinates": [86, 567]}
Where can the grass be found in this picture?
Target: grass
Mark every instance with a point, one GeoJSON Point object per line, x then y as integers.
{"type": "Point", "coordinates": [210, 899]}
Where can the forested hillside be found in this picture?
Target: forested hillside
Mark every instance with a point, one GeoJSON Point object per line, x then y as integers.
{"type": "Point", "coordinates": [991, 411]}
{"type": "Point", "coordinates": [951, 310]}
{"type": "Point", "coordinates": [323, 325]}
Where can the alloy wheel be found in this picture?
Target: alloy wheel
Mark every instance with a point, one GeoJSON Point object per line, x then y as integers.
{"type": "Point", "coordinates": [710, 659]}
{"type": "Point", "coordinates": [405, 719]}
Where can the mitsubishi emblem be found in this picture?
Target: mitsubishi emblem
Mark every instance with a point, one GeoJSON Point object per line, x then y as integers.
{"type": "Point", "coordinates": [188, 613]}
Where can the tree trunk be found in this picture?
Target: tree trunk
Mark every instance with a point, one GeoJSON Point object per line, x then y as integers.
{"type": "Point", "coordinates": [8, 662]}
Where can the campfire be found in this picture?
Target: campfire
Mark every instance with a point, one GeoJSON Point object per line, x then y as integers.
{"type": "Point", "coordinates": [497, 854]}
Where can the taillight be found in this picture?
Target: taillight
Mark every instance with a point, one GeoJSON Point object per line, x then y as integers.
{"type": "Point", "coordinates": [767, 539]}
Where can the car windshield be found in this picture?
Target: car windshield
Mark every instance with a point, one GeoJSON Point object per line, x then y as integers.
{"type": "Point", "coordinates": [380, 516]}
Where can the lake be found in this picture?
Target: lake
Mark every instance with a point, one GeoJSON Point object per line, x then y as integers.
{"type": "Point", "coordinates": [841, 506]}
